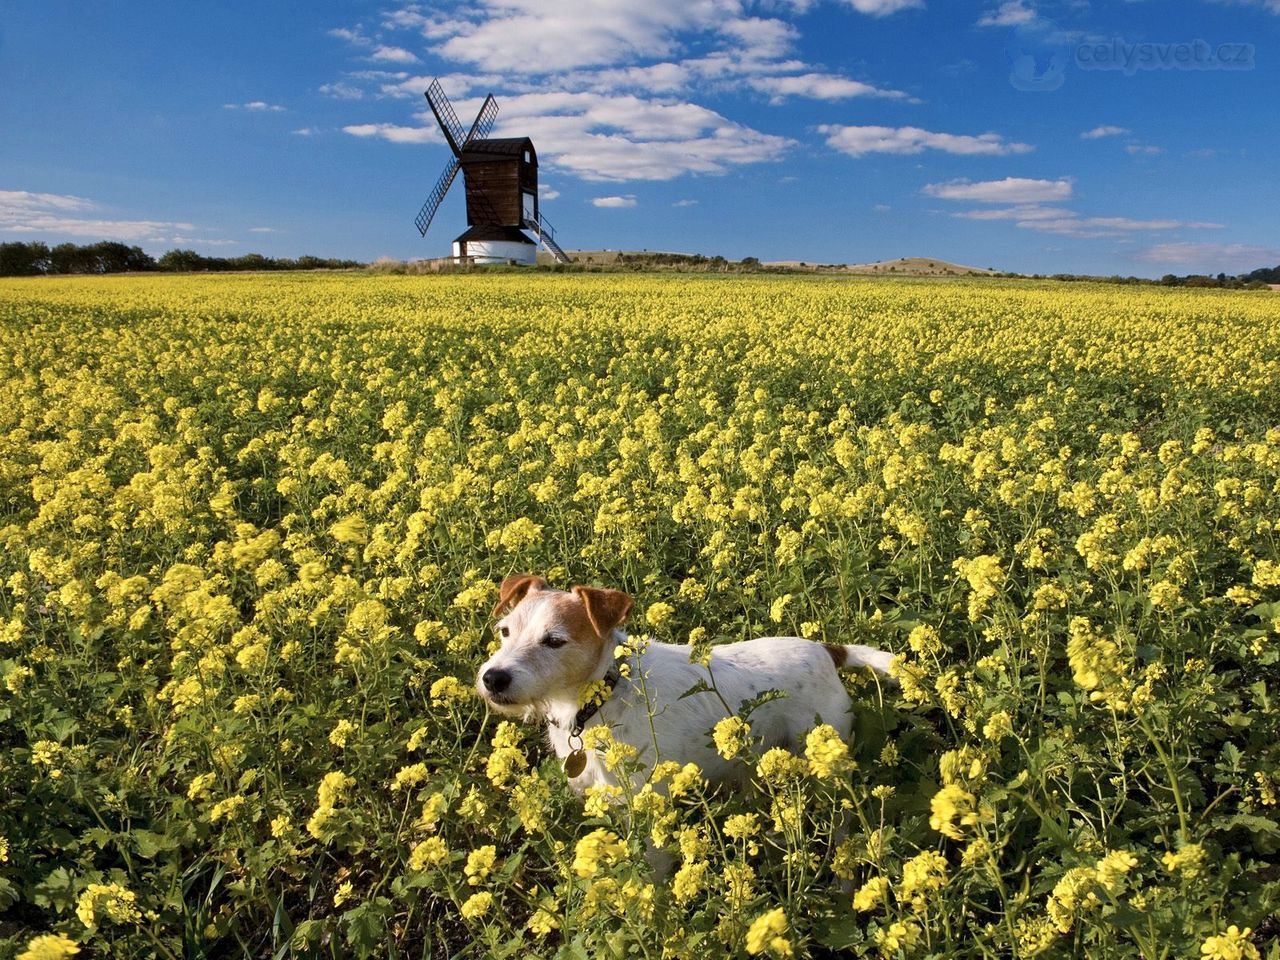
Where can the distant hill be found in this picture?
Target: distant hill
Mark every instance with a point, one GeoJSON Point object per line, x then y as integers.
{"type": "Point", "coordinates": [903, 267]}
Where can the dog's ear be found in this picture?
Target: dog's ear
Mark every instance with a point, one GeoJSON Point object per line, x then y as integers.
{"type": "Point", "coordinates": [606, 609]}
{"type": "Point", "coordinates": [514, 588]}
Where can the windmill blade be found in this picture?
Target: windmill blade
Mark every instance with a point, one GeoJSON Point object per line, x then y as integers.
{"type": "Point", "coordinates": [450, 126]}
{"type": "Point", "coordinates": [484, 121]}
{"type": "Point", "coordinates": [423, 219]}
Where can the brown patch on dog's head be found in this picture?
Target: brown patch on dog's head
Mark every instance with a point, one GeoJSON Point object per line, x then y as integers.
{"type": "Point", "coordinates": [553, 642]}
{"type": "Point", "coordinates": [839, 655]}
{"type": "Point", "coordinates": [514, 589]}
{"type": "Point", "coordinates": [605, 609]}
{"type": "Point", "coordinates": [573, 617]}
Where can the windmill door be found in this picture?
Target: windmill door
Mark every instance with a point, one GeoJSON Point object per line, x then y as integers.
{"type": "Point", "coordinates": [529, 205]}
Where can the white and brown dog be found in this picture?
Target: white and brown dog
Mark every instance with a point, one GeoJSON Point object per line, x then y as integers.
{"type": "Point", "coordinates": [555, 641]}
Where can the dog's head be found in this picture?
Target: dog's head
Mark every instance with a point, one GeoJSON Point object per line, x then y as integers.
{"type": "Point", "coordinates": [552, 642]}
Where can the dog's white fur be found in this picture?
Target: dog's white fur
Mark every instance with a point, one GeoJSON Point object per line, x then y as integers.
{"type": "Point", "coordinates": [646, 710]}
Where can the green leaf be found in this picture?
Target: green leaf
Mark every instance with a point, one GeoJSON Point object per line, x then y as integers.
{"type": "Point", "coordinates": [98, 836]}
{"type": "Point", "coordinates": [759, 700]}
{"type": "Point", "coordinates": [700, 687]}
{"type": "Point", "coordinates": [841, 933]}
{"type": "Point", "coordinates": [148, 843]}
{"type": "Point", "coordinates": [55, 890]}
{"type": "Point", "coordinates": [8, 894]}
{"type": "Point", "coordinates": [1254, 824]}
{"type": "Point", "coordinates": [365, 926]}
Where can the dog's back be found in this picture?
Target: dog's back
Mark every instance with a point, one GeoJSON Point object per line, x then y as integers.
{"type": "Point", "coordinates": [652, 712]}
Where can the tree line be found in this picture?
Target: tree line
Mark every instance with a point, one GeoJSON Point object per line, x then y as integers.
{"type": "Point", "coordinates": [1254, 280]}
{"type": "Point", "coordinates": [38, 259]}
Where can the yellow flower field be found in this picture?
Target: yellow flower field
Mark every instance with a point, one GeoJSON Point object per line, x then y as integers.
{"type": "Point", "coordinates": [251, 528]}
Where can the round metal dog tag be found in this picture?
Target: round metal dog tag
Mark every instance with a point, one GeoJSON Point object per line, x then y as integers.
{"type": "Point", "coordinates": [575, 763]}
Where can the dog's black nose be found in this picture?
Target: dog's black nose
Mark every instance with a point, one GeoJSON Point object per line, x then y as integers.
{"type": "Point", "coordinates": [496, 680]}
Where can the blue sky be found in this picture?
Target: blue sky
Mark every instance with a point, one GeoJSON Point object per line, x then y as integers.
{"type": "Point", "coordinates": [1099, 136]}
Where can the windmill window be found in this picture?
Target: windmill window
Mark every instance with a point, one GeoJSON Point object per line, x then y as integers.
{"type": "Point", "coordinates": [527, 158]}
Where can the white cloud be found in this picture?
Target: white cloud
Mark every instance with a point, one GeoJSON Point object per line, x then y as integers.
{"type": "Point", "coordinates": [1021, 212]}
{"type": "Point", "coordinates": [652, 79]}
{"type": "Point", "coordinates": [610, 138]}
{"type": "Point", "coordinates": [46, 213]}
{"type": "Point", "coordinates": [547, 193]}
{"type": "Point", "coordinates": [407, 18]}
{"type": "Point", "coordinates": [305, 132]}
{"type": "Point", "coordinates": [1074, 226]}
{"type": "Point", "coordinates": [1211, 257]}
{"type": "Point", "coordinates": [882, 8]}
{"type": "Point", "coordinates": [254, 106]}
{"type": "Point", "coordinates": [765, 39]}
{"type": "Point", "coordinates": [394, 133]}
{"type": "Point", "coordinates": [881, 208]}
{"type": "Point", "coordinates": [1142, 150]}
{"type": "Point", "coordinates": [341, 91]}
{"type": "Point", "coordinates": [455, 84]}
{"type": "Point", "coordinates": [685, 203]}
{"type": "Point", "coordinates": [633, 116]}
{"type": "Point", "coordinates": [599, 137]}
{"type": "Point", "coordinates": [377, 74]}
{"type": "Point", "coordinates": [97, 229]}
{"type": "Point", "coordinates": [1271, 5]}
{"type": "Point", "coordinates": [524, 36]}
{"type": "Point", "coordinates": [1025, 203]}
{"type": "Point", "coordinates": [387, 54]}
{"type": "Point", "coordinates": [354, 37]}
{"type": "Point", "coordinates": [614, 202]}
{"type": "Point", "coordinates": [263, 230]}
{"type": "Point", "coordinates": [608, 88]}
{"type": "Point", "coordinates": [13, 201]}
{"type": "Point", "coordinates": [1098, 133]}
{"type": "Point", "coordinates": [202, 241]}
{"type": "Point", "coordinates": [1008, 190]}
{"type": "Point", "coordinates": [1009, 14]}
{"type": "Point", "coordinates": [858, 141]}
{"type": "Point", "coordinates": [819, 86]}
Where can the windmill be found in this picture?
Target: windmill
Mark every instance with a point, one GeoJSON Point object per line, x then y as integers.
{"type": "Point", "coordinates": [500, 176]}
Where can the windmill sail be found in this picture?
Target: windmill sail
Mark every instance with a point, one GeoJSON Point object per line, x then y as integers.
{"type": "Point", "coordinates": [423, 219]}
{"type": "Point", "coordinates": [445, 116]}
{"type": "Point", "coordinates": [452, 130]}
{"type": "Point", "coordinates": [483, 125]}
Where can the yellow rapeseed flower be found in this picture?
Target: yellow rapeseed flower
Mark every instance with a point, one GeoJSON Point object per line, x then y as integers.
{"type": "Point", "coordinates": [477, 905]}
{"type": "Point", "coordinates": [107, 902]}
{"type": "Point", "coordinates": [600, 847]}
{"type": "Point", "coordinates": [952, 808]}
{"type": "Point", "coordinates": [1232, 944]}
{"type": "Point", "coordinates": [731, 735]}
{"type": "Point", "coordinates": [871, 894]}
{"type": "Point", "coordinates": [767, 933]}
{"type": "Point", "coordinates": [1188, 861]}
{"type": "Point", "coordinates": [49, 946]}
{"type": "Point", "coordinates": [479, 864]}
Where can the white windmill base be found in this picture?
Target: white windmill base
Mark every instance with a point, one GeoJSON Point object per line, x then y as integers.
{"type": "Point", "coordinates": [495, 251]}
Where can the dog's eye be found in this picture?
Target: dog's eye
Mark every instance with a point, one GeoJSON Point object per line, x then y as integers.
{"type": "Point", "coordinates": [552, 641]}
{"type": "Point", "coordinates": [505, 631]}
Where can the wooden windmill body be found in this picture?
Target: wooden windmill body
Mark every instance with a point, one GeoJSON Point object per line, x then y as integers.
{"type": "Point", "coordinates": [500, 177]}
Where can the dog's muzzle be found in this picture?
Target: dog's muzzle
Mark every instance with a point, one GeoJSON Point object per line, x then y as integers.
{"type": "Point", "coordinates": [496, 680]}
